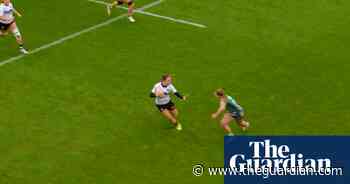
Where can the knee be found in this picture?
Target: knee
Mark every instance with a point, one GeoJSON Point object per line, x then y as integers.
{"type": "Point", "coordinates": [223, 123]}
{"type": "Point", "coordinates": [173, 120]}
{"type": "Point", "coordinates": [16, 32]}
{"type": "Point", "coordinates": [175, 113]}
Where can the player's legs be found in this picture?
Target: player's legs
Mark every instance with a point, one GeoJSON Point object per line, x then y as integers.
{"type": "Point", "coordinates": [167, 114]}
{"type": "Point", "coordinates": [174, 112]}
{"type": "Point", "coordinates": [15, 31]}
{"type": "Point", "coordinates": [225, 123]}
{"type": "Point", "coordinates": [131, 6]}
{"type": "Point", "coordinates": [169, 111]}
{"type": "Point", "coordinates": [115, 3]}
{"type": "Point", "coordinates": [243, 124]}
{"type": "Point", "coordinates": [240, 120]}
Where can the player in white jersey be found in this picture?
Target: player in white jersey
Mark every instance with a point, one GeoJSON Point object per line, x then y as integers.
{"type": "Point", "coordinates": [130, 4]}
{"type": "Point", "coordinates": [8, 23]}
{"type": "Point", "coordinates": [161, 92]}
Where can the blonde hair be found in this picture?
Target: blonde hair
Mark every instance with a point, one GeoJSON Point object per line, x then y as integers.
{"type": "Point", "coordinates": [220, 92]}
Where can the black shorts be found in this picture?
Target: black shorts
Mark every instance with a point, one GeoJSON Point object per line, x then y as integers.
{"type": "Point", "coordinates": [5, 27]}
{"type": "Point", "coordinates": [130, 2]}
{"type": "Point", "coordinates": [169, 106]}
{"type": "Point", "coordinates": [237, 115]}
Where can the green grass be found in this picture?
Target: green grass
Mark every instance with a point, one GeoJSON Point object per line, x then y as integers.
{"type": "Point", "coordinates": [79, 112]}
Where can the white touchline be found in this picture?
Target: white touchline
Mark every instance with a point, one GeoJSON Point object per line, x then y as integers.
{"type": "Point", "coordinates": [74, 35]}
{"type": "Point", "coordinates": [140, 11]}
{"type": "Point", "coordinates": [171, 19]}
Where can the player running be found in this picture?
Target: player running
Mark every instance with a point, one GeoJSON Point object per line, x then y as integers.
{"type": "Point", "coordinates": [130, 4]}
{"type": "Point", "coordinates": [235, 111]}
{"type": "Point", "coordinates": [8, 23]}
{"type": "Point", "coordinates": [161, 92]}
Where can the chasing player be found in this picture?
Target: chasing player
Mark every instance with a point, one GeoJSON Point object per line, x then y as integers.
{"type": "Point", "coordinates": [234, 111]}
{"type": "Point", "coordinates": [130, 4]}
{"type": "Point", "coordinates": [8, 23]}
{"type": "Point", "coordinates": [161, 92]}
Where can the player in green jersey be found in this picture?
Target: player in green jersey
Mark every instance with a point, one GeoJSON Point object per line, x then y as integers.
{"type": "Point", "coordinates": [233, 111]}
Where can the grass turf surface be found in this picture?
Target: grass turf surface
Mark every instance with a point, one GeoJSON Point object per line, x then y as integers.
{"type": "Point", "coordinates": [80, 113]}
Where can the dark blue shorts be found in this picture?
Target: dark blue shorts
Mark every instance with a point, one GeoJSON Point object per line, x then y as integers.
{"type": "Point", "coordinates": [237, 115]}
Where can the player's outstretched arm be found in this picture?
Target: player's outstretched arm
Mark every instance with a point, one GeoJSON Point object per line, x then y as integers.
{"type": "Point", "coordinates": [177, 94]}
{"type": "Point", "coordinates": [220, 110]}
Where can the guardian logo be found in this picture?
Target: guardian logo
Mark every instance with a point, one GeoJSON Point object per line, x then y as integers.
{"type": "Point", "coordinates": [287, 159]}
{"type": "Point", "coordinates": [266, 155]}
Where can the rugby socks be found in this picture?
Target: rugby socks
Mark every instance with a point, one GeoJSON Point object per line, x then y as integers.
{"type": "Point", "coordinates": [22, 49]}
{"type": "Point", "coordinates": [178, 126]}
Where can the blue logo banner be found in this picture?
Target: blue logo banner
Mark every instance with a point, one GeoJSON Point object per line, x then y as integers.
{"type": "Point", "coordinates": [287, 159]}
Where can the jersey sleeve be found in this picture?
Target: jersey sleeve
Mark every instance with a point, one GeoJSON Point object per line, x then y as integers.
{"type": "Point", "coordinates": [154, 89]}
{"type": "Point", "coordinates": [1, 10]}
{"type": "Point", "coordinates": [172, 89]}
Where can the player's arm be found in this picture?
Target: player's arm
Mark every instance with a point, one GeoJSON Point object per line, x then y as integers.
{"type": "Point", "coordinates": [220, 110]}
{"type": "Point", "coordinates": [2, 17]}
{"type": "Point", "coordinates": [178, 94]}
{"type": "Point", "coordinates": [156, 92]}
{"type": "Point", "coordinates": [152, 95]}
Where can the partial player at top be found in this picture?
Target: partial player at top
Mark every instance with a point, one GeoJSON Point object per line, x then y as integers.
{"type": "Point", "coordinates": [130, 4]}
{"type": "Point", "coordinates": [8, 23]}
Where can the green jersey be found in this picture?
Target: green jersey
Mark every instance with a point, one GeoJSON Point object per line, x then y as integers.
{"type": "Point", "coordinates": [232, 106]}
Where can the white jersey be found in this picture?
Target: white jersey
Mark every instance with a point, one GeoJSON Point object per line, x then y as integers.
{"type": "Point", "coordinates": [167, 90]}
{"type": "Point", "coordinates": [6, 11]}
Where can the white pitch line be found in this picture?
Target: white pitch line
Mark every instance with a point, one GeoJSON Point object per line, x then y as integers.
{"type": "Point", "coordinates": [171, 19]}
{"type": "Point", "coordinates": [140, 11]}
{"type": "Point", "coordinates": [74, 35]}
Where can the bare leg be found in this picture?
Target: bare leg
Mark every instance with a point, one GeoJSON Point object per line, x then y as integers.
{"type": "Point", "coordinates": [13, 28]}
{"type": "Point", "coordinates": [243, 124]}
{"type": "Point", "coordinates": [166, 113]}
{"type": "Point", "coordinates": [131, 5]}
{"type": "Point", "coordinates": [225, 123]}
{"type": "Point", "coordinates": [131, 9]}
{"type": "Point", "coordinates": [174, 112]}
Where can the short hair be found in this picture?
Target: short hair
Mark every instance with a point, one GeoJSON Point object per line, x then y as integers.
{"type": "Point", "coordinates": [165, 76]}
{"type": "Point", "coordinates": [220, 92]}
